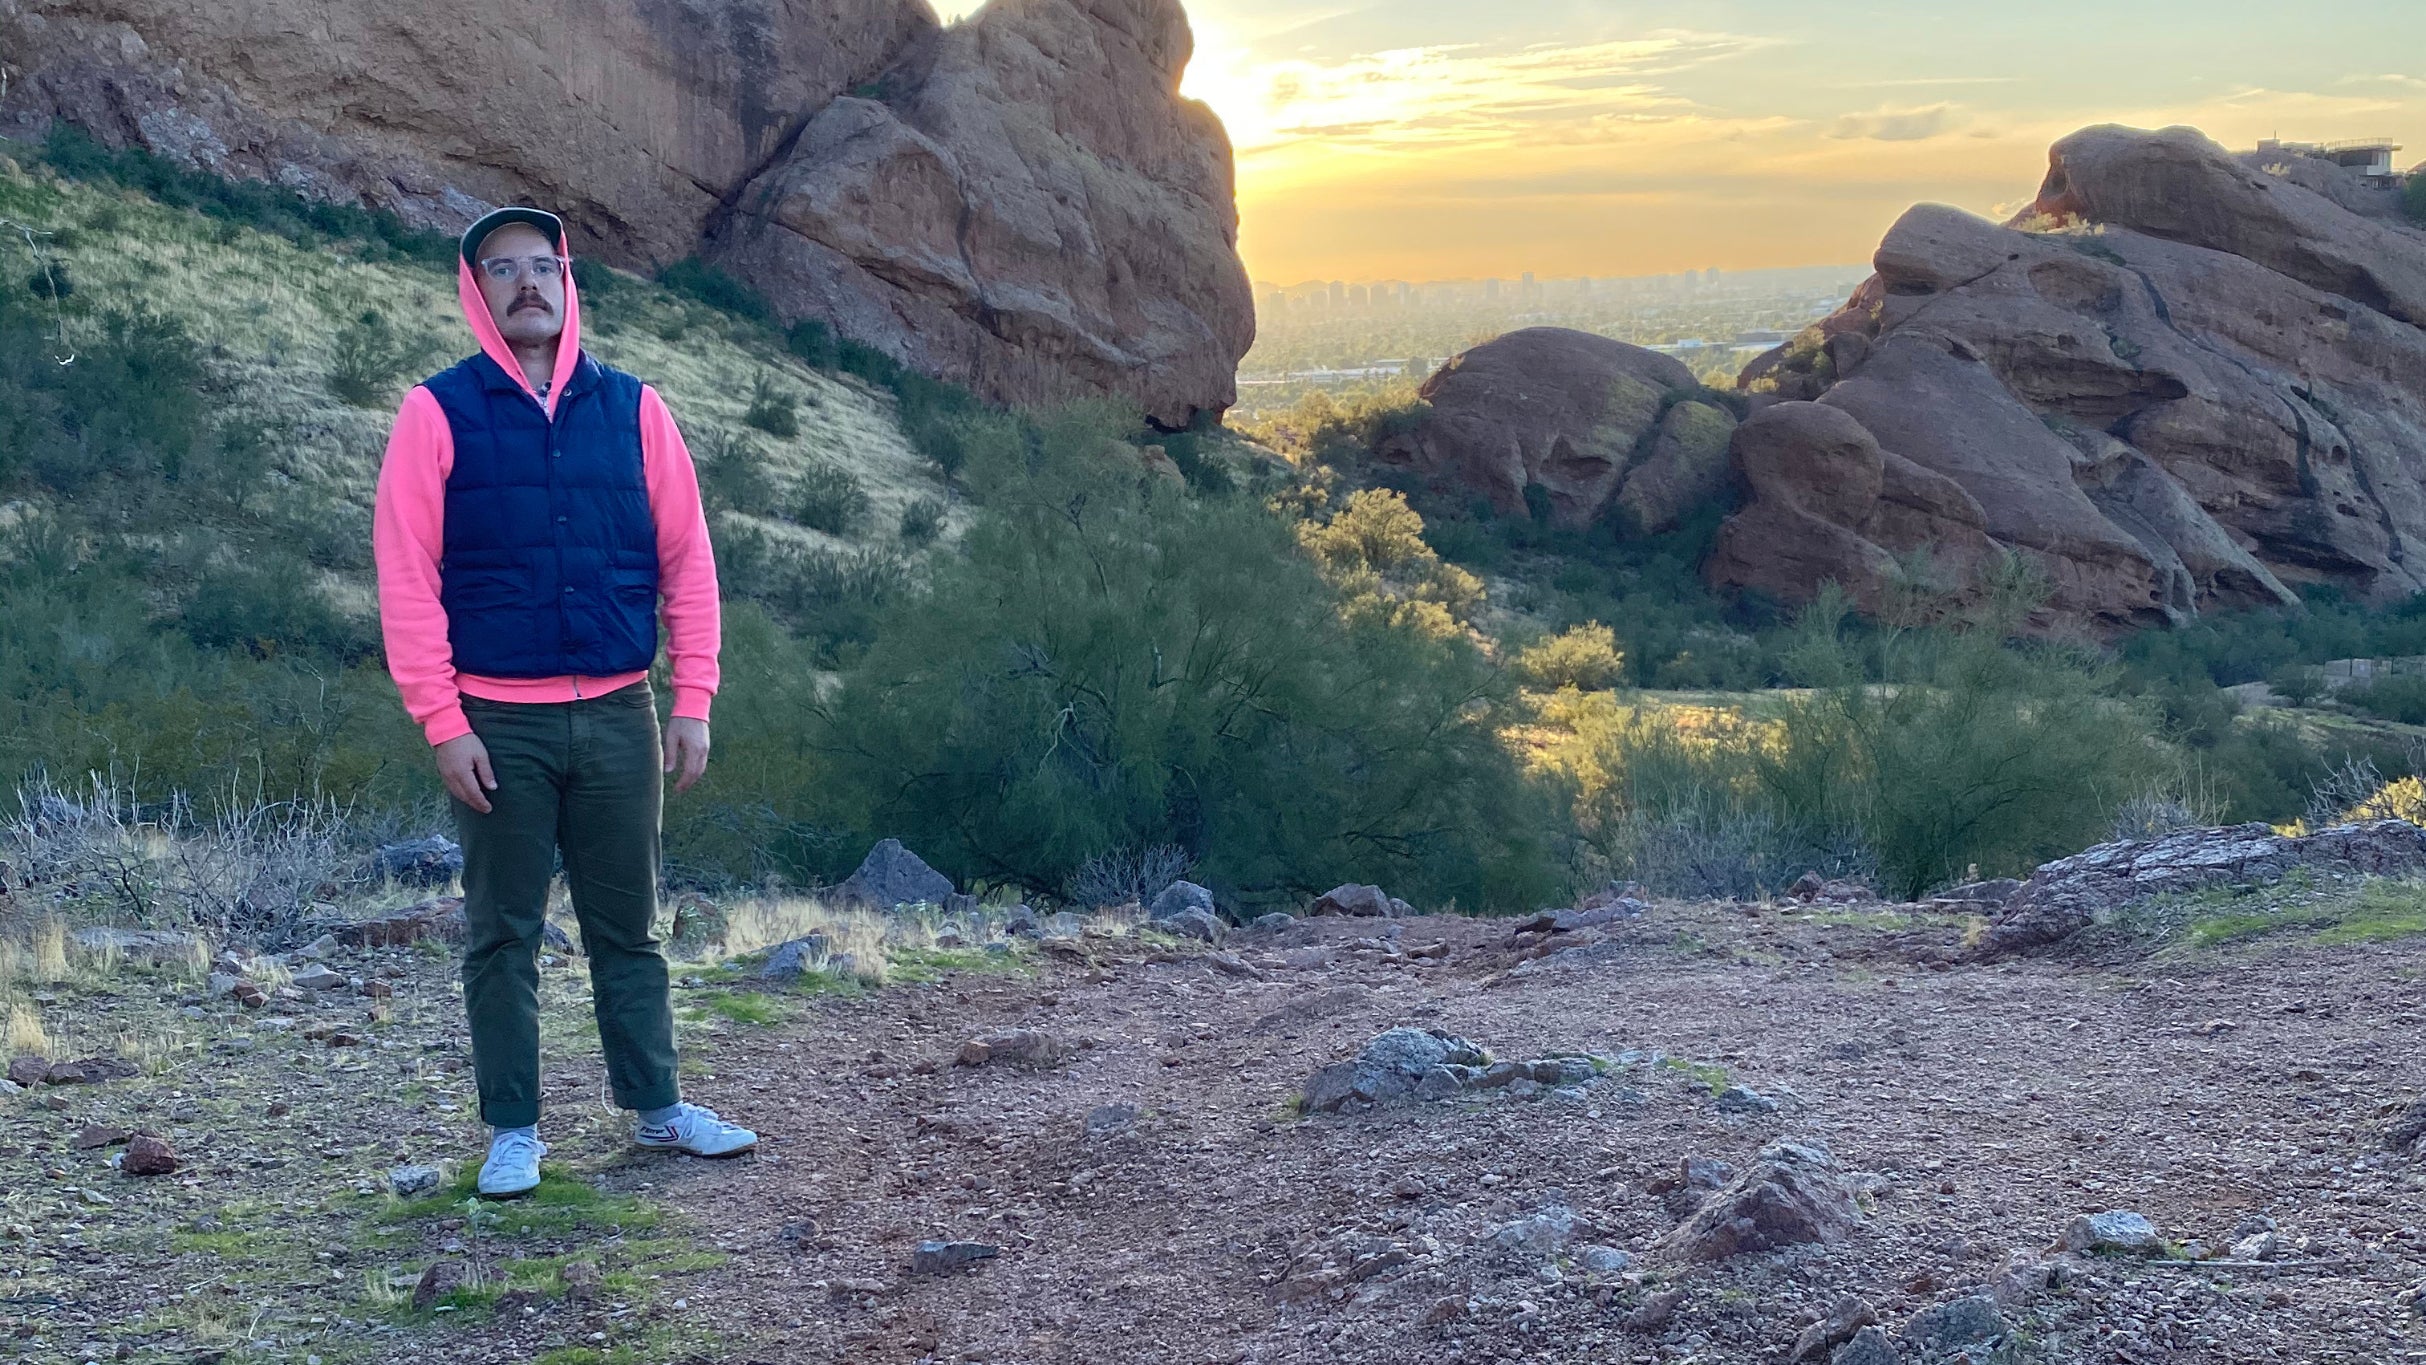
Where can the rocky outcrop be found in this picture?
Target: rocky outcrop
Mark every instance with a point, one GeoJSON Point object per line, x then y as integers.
{"type": "Point", "coordinates": [2177, 383]}
{"type": "Point", "coordinates": [2068, 895]}
{"type": "Point", "coordinates": [1594, 424]}
{"type": "Point", "coordinates": [1021, 203]}
{"type": "Point", "coordinates": [1794, 1194]}
{"type": "Point", "coordinates": [631, 118]}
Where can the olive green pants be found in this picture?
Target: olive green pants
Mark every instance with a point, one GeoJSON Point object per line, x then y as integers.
{"type": "Point", "coordinates": [581, 777]}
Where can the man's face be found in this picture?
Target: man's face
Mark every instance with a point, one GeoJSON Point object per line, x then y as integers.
{"type": "Point", "coordinates": [528, 307]}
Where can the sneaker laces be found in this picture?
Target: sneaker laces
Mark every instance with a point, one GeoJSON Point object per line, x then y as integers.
{"type": "Point", "coordinates": [515, 1147]}
{"type": "Point", "coordinates": [702, 1112]}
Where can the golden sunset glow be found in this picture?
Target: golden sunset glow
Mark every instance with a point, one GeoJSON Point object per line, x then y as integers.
{"type": "Point", "coordinates": [1433, 140]}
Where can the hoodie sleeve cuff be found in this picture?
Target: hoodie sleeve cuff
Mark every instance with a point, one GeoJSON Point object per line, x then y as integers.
{"type": "Point", "coordinates": [448, 724]}
{"type": "Point", "coordinates": [691, 703]}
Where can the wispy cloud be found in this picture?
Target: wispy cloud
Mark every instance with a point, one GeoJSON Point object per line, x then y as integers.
{"type": "Point", "coordinates": [1420, 97]}
{"type": "Point", "coordinates": [1892, 124]}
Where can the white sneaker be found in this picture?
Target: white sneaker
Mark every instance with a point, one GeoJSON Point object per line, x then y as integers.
{"type": "Point", "coordinates": [698, 1131]}
{"type": "Point", "coordinates": [512, 1169]}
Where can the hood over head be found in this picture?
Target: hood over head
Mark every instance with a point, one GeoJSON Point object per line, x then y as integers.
{"type": "Point", "coordinates": [476, 305]}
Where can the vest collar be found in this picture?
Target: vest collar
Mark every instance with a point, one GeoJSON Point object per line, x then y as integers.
{"type": "Point", "coordinates": [494, 379]}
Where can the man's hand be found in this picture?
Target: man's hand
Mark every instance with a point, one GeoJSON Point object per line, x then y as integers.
{"type": "Point", "coordinates": [463, 764]}
{"type": "Point", "coordinates": [686, 750]}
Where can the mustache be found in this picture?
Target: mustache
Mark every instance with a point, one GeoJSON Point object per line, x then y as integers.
{"type": "Point", "coordinates": [529, 301]}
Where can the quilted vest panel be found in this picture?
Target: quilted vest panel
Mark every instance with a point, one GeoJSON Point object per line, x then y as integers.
{"type": "Point", "coordinates": [550, 561]}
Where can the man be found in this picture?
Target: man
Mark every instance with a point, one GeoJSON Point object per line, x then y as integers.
{"type": "Point", "coordinates": [534, 506]}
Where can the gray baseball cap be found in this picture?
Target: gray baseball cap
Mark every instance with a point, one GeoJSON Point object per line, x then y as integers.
{"type": "Point", "coordinates": [551, 226]}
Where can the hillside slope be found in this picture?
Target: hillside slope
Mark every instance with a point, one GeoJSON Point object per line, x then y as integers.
{"type": "Point", "coordinates": [1021, 203]}
{"type": "Point", "coordinates": [272, 316]}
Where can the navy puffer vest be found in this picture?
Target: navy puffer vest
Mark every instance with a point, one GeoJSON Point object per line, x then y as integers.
{"type": "Point", "coordinates": [550, 565]}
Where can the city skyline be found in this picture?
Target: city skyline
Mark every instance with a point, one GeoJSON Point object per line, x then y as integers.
{"type": "Point", "coordinates": [1423, 139]}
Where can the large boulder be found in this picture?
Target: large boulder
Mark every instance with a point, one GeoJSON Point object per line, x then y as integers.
{"type": "Point", "coordinates": [2070, 894]}
{"type": "Point", "coordinates": [1391, 1067]}
{"type": "Point", "coordinates": [889, 877]}
{"type": "Point", "coordinates": [1022, 203]}
{"type": "Point", "coordinates": [1593, 423]}
{"type": "Point", "coordinates": [1794, 1194]}
{"type": "Point", "coordinates": [2175, 384]}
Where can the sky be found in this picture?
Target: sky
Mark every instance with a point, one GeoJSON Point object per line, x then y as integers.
{"type": "Point", "coordinates": [1438, 139]}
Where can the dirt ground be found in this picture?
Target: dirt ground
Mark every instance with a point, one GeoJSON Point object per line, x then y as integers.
{"type": "Point", "coordinates": [1980, 1109]}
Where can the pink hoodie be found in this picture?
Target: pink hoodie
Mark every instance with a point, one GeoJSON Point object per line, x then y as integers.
{"type": "Point", "coordinates": [408, 537]}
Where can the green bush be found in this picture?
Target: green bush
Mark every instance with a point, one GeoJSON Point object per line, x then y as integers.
{"type": "Point", "coordinates": [256, 204]}
{"type": "Point", "coordinates": [2298, 685]}
{"type": "Point", "coordinates": [922, 521]}
{"type": "Point", "coordinates": [2393, 696]}
{"type": "Point", "coordinates": [717, 288]}
{"type": "Point", "coordinates": [2413, 197]}
{"type": "Point", "coordinates": [830, 600]}
{"type": "Point", "coordinates": [772, 410]}
{"type": "Point", "coordinates": [831, 499]}
{"type": "Point", "coordinates": [1108, 664]}
{"type": "Point", "coordinates": [1585, 657]}
{"type": "Point", "coordinates": [814, 342]}
{"type": "Point", "coordinates": [733, 474]}
{"type": "Point", "coordinates": [1978, 754]}
{"type": "Point", "coordinates": [372, 359]}
{"type": "Point", "coordinates": [267, 605]}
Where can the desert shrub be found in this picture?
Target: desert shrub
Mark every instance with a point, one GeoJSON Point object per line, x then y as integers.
{"type": "Point", "coordinates": [596, 282]}
{"type": "Point", "coordinates": [1982, 754]}
{"type": "Point", "coordinates": [371, 357]}
{"type": "Point", "coordinates": [772, 410]}
{"type": "Point", "coordinates": [131, 406]}
{"type": "Point", "coordinates": [814, 342]}
{"type": "Point", "coordinates": [1204, 474]}
{"type": "Point", "coordinates": [758, 814]}
{"type": "Point", "coordinates": [2393, 696]}
{"type": "Point", "coordinates": [51, 281]}
{"type": "Point", "coordinates": [2400, 799]}
{"type": "Point", "coordinates": [733, 474]}
{"type": "Point", "coordinates": [922, 521]}
{"type": "Point", "coordinates": [248, 869]}
{"type": "Point", "coordinates": [1584, 657]}
{"type": "Point", "coordinates": [830, 498]}
{"type": "Point", "coordinates": [266, 603]}
{"type": "Point", "coordinates": [2298, 685]}
{"type": "Point", "coordinates": [1126, 876]}
{"type": "Point", "coordinates": [256, 204]}
{"type": "Point", "coordinates": [831, 600]}
{"type": "Point", "coordinates": [2152, 815]}
{"type": "Point", "coordinates": [1373, 550]}
{"type": "Point", "coordinates": [2413, 197]}
{"type": "Point", "coordinates": [1110, 664]}
{"type": "Point", "coordinates": [718, 288]}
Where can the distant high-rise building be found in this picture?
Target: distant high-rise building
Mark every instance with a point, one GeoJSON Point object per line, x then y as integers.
{"type": "Point", "coordinates": [1276, 301]}
{"type": "Point", "coordinates": [1339, 294]}
{"type": "Point", "coordinates": [1491, 289]}
{"type": "Point", "coordinates": [1359, 296]}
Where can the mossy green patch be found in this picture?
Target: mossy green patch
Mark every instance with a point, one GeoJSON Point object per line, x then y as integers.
{"type": "Point", "coordinates": [915, 965]}
{"type": "Point", "coordinates": [1709, 1075]}
{"type": "Point", "coordinates": [745, 1007]}
{"type": "Point", "coordinates": [560, 1206]}
{"type": "Point", "coordinates": [2379, 910]}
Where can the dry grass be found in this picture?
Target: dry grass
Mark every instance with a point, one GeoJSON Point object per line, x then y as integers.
{"type": "Point", "coordinates": [26, 1035]}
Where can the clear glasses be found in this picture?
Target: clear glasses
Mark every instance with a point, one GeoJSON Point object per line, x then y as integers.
{"type": "Point", "coordinates": [541, 268]}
